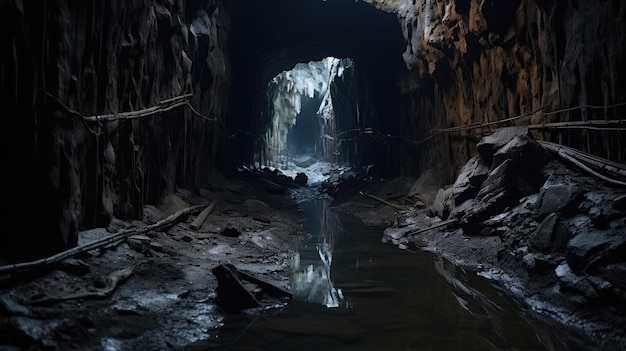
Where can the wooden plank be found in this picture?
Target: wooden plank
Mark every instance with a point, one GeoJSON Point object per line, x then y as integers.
{"type": "Point", "coordinates": [398, 207]}
{"type": "Point", "coordinates": [197, 223]}
{"type": "Point", "coordinates": [268, 287]}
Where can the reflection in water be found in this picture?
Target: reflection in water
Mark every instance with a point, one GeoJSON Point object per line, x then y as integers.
{"type": "Point", "coordinates": [394, 300]}
{"type": "Point", "coordinates": [312, 282]}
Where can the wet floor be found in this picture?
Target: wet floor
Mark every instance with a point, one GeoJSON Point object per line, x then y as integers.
{"type": "Point", "coordinates": [353, 292]}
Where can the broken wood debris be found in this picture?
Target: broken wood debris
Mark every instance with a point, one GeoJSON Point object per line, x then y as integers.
{"type": "Point", "coordinates": [397, 207]}
{"type": "Point", "coordinates": [197, 223]}
{"type": "Point", "coordinates": [435, 226]}
{"type": "Point", "coordinates": [232, 294]}
{"type": "Point", "coordinates": [98, 243]}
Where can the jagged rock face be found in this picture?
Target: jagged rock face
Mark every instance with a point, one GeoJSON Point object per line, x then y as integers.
{"type": "Point", "coordinates": [465, 62]}
{"type": "Point", "coordinates": [477, 61]}
{"type": "Point", "coordinates": [70, 60]}
{"type": "Point", "coordinates": [289, 89]}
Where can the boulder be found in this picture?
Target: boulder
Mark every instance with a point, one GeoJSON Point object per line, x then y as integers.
{"type": "Point", "coordinates": [522, 148]}
{"type": "Point", "coordinates": [542, 238]}
{"type": "Point", "coordinates": [493, 197]}
{"type": "Point", "coordinates": [171, 204]}
{"type": "Point", "coordinates": [489, 144]}
{"type": "Point", "coordinates": [301, 179]}
{"type": "Point", "coordinates": [460, 210]}
{"type": "Point", "coordinates": [426, 182]}
{"type": "Point", "coordinates": [591, 249]}
{"type": "Point", "coordinates": [528, 158]}
{"type": "Point", "coordinates": [555, 196]}
{"type": "Point", "coordinates": [231, 231]}
{"type": "Point", "coordinates": [468, 182]}
{"type": "Point", "coordinates": [568, 280]}
{"type": "Point", "coordinates": [443, 203]}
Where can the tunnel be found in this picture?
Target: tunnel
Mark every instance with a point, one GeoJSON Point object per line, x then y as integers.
{"type": "Point", "coordinates": [262, 48]}
{"type": "Point", "coordinates": [350, 174]}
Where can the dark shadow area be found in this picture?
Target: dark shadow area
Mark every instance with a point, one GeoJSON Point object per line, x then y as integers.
{"type": "Point", "coordinates": [303, 136]}
{"type": "Point", "coordinates": [272, 36]}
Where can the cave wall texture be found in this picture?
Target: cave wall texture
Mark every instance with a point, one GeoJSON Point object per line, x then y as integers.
{"type": "Point", "coordinates": [66, 60]}
{"type": "Point", "coordinates": [480, 62]}
{"type": "Point", "coordinates": [464, 62]}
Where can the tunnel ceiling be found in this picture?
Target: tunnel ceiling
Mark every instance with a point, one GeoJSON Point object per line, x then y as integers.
{"type": "Point", "coordinates": [269, 37]}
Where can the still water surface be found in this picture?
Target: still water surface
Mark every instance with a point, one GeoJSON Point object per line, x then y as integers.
{"type": "Point", "coordinates": [353, 292]}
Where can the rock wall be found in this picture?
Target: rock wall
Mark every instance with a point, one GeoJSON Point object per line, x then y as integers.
{"type": "Point", "coordinates": [477, 62]}
{"type": "Point", "coordinates": [64, 62]}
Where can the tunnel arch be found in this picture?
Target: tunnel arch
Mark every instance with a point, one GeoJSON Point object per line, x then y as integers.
{"type": "Point", "coordinates": [273, 36]}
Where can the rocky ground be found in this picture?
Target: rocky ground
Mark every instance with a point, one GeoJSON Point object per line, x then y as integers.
{"type": "Point", "coordinates": [155, 290]}
{"type": "Point", "coordinates": [549, 233]}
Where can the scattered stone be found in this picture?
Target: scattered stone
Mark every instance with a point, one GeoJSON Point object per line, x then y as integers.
{"type": "Point", "coordinates": [261, 219]}
{"type": "Point", "coordinates": [487, 231]}
{"type": "Point", "coordinates": [151, 214]}
{"type": "Point", "coordinates": [139, 243]}
{"type": "Point", "coordinates": [116, 225]}
{"type": "Point", "coordinates": [460, 210]}
{"type": "Point", "coordinates": [426, 182]}
{"type": "Point", "coordinates": [556, 196]}
{"type": "Point", "coordinates": [569, 280]}
{"type": "Point", "coordinates": [443, 202]}
{"type": "Point", "coordinates": [156, 246]}
{"type": "Point", "coordinates": [171, 204]}
{"type": "Point", "coordinates": [538, 262]}
{"type": "Point", "coordinates": [620, 203]}
{"type": "Point", "coordinates": [468, 182]}
{"type": "Point", "coordinates": [301, 179]}
{"type": "Point", "coordinates": [186, 238]}
{"type": "Point", "coordinates": [230, 231]}
{"type": "Point", "coordinates": [36, 331]}
{"type": "Point", "coordinates": [139, 238]}
{"type": "Point", "coordinates": [493, 197]}
{"type": "Point", "coordinates": [90, 235]}
{"type": "Point", "coordinates": [542, 238]}
{"type": "Point", "coordinates": [590, 248]}
{"type": "Point", "coordinates": [74, 266]}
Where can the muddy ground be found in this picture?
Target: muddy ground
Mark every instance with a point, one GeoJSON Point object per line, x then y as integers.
{"type": "Point", "coordinates": [154, 291]}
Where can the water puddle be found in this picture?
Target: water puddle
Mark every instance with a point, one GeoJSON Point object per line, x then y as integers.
{"type": "Point", "coordinates": [352, 292]}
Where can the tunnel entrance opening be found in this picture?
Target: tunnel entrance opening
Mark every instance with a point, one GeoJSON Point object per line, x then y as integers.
{"type": "Point", "coordinates": [302, 135]}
